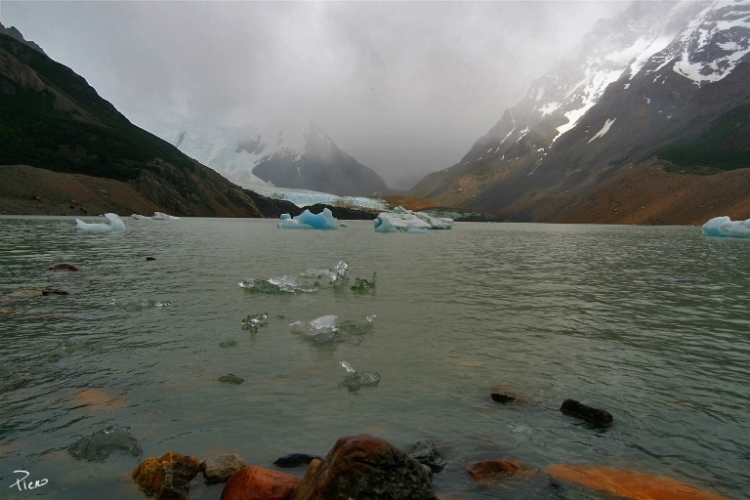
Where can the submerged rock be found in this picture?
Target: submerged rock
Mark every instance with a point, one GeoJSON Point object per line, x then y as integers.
{"type": "Point", "coordinates": [595, 416]}
{"type": "Point", "coordinates": [494, 471]}
{"type": "Point", "coordinates": [99, 445]}
{"type": "Point", "coordinates": [425, 452]}
{"type": "Point", "coordinates": [167, 477]}
{"type": "Point", "coordinates": [256, 483]}
{"type": "Point", "coordinates": [221, 468]}
{"type": "Point", "coordinates": [231, 379]}
{"type": "Point", "coordinates": [295, 460]}
{"type": "Point", "coordinates": [630, 484]}
{"type": "Point", "coordinates": [63, 267]}
{"type": "Point", "coordinates": [364, 467]}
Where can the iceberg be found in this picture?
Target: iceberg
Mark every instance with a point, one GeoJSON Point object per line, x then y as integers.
{"type": "Point", "coordinates": [163, 216]}
{"type": "Point", "coordinates": [406, 221]}
{"type": "Point", "coordinates": [115, 224]}
{"type": "Point", "coordinates": [724, 227]}
{"type": "Point", "coordinates": [309, 220]}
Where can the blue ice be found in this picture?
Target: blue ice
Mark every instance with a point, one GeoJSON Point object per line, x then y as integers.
{"type": "Point", "coordinates": [724, 227]}
{"type": "Point", "coordinates": [309, 220]}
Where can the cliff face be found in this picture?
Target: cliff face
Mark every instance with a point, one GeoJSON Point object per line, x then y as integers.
{"type": "Point", "coordinates": [62, 145]}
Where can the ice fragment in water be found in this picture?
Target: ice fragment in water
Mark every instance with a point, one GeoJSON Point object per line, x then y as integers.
{"type": "Point", "coordinates": [280, 284]}
{"type": "Point", "coordinates": [322, 329]}
{"type": "Point", "coordinates": [362, 285]}
{"type": "Point", "coordinates": [115, 224]}
{"type": "Point", "coordinates": [309, 220]}
{"type": "Point", "coordinates": [253, 321]}
{"type": "Point", "coordinates": [406, 221]}
{"type": "Point", "coordinates": [356, 379]}
{"type": "Point", "coordinates": [724, 227]}
{"type": "Point", "coordinates": [101, 444]}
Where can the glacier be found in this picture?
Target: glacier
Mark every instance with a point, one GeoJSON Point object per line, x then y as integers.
{"type": "Point", "coordinates": [725, 227]}
{"type": "Point", "coordinates": [407, 221]}
{"type": "Point", "coordinates": [115, 224]}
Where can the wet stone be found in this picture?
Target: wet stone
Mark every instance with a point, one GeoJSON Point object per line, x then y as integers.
{"type": "Point", "coordinates": [98, 446]}
{"type": "Point", "coordinates": [231, 379]}
{"type": "Point", "coordinates": [220, 469]}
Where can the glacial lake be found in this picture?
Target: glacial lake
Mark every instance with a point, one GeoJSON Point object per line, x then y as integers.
{"type": "Point", "coordinates": [649, 323]}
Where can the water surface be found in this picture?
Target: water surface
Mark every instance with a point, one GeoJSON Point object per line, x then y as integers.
{"type": "Point", "coordinates": [649, 323]}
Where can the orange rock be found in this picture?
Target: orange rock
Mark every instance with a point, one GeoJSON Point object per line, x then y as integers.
{"type": "Point", "coordinates": [493, 471]}
{"type": "Point", "coordinates": [99, 400]}
{"type": "Point", "coordinates": [256, 483]}
{"type": "Point", "coordinates": [167, 477]}
{"type": "Point", "coordinates": [366, 467]}
{"type": "Point", "coordinates": [630, 484]}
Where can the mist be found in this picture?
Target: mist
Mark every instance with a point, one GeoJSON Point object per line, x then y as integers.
{"type": "Point", "coordinates": [404, 87]}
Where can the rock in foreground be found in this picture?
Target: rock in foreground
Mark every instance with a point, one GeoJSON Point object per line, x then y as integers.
{"type": "Point", "coordinates": [167, 477]}
{"type": "Point", "coordinates": [365, 467]}
{"type": "Point", "coordinates": [256, 483]}
{"type": "Point", "coordinates": [630, 484]}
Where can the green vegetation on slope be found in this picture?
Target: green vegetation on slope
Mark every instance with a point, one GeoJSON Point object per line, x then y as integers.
{"type": "Point", "coordinates": [90, 138]}
{"type": "Point", "coordinates": [724, 147]}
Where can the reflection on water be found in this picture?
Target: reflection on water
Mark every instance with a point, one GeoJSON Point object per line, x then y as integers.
{"type": "Point", "coordinates": [650, 324]}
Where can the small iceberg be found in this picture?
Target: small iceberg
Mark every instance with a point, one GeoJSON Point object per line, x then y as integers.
{"type": "Point", "coordinates": [156, 216]}
{"type": "Point", "coordinates": [309, 220]}
{"type": "Point", "coordinates": [163, 216]}
{"type": "Point", "coordinates": [724, 227]}
{"type": "Point", "coordinates": [406, 221]}
{"type": "Point", "coordinates": [115, 224]}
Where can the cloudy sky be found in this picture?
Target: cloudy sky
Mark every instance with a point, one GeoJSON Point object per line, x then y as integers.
{"type": "Point", "coordinates": [404, 87]}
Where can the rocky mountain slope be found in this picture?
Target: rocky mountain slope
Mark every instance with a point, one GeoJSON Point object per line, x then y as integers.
{"type": "Point", "coordinates": [664, 81]}
{"type": "Point", "coordinates": [51, 119]}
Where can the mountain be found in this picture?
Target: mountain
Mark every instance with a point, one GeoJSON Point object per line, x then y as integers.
{"type": "Point", "coordinates": [64, 149]}
{"type": "Point", "coordinates": [660, 86]}
{"type": "Point", "coordinates": [296, 160]}
{"type": "Point", "coordinates": [321, 166]}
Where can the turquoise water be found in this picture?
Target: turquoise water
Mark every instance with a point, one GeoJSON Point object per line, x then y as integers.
{"type": "Point", "coordinates": [649, 323]}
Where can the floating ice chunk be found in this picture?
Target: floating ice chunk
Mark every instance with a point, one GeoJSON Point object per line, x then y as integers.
{"type": "Point", "coordinates": [403, 220]}
{"type": "Point", "coordinates": [140, 217]}
{"type": "Point", "coordinates": [337, 276]}
{"type": "Point", "coordinates": [362, 285]}
{"type": "Point", "coordinates": [355, 380]}
{"type": "Point", "coordinates": [115, 224]}
{"type": "Point", "coordinates": [280, 284]}
{"type": "Point", "coordinates": [254, 321]}
{"type": "Point", "coordinates": [309, 220]}
{"type": "Point", "coordinates": [724, 227]}
{"type": "Point", "coordinates": [322, 329]}
{"type": "Point", "coordinates": [163, 216]}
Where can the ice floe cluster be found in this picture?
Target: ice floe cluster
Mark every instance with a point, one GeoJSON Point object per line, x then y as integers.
{"type": "Point", "coordinates": [407, 221]}
{"type": "Point", "coordinates": [309, 280]}
{"type": "Point", "coordinates": [156, 216]}
{"type": "Point", "coordinates": [724, 227]}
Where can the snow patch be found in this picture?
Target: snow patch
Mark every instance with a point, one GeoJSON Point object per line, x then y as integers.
{"type": "Point", "coordinates": [607, 124]}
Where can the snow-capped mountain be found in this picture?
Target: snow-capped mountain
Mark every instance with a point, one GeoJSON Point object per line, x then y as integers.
{"type": "Point", "coordinates": [321, 167]}
{"type": "Point", "coordinates": [308, 160]}
{"type": "Point", "coordinates": [647, 78]}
